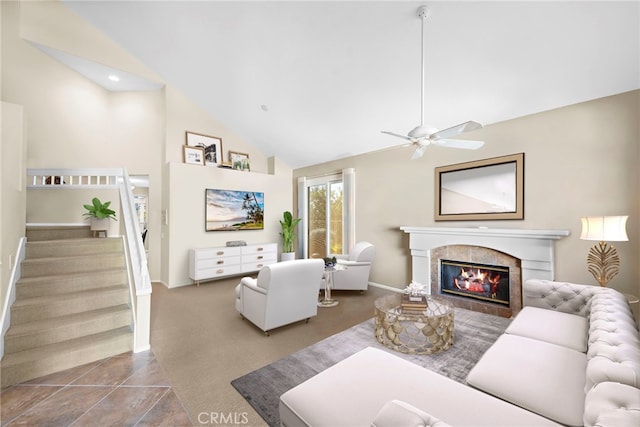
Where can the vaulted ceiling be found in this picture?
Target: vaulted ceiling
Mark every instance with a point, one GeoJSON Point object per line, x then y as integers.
{"type": "Point", "coordinates": [310, 82]}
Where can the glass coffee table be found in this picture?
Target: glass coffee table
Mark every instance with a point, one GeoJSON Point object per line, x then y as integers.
{"type": "Point", "coordinates": [415, 331]}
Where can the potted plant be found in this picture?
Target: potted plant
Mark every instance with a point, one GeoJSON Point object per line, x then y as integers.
{"type": "Point", "coordinates": [288, 234]}
{"type": "Point", "coordinates": [99, 214]}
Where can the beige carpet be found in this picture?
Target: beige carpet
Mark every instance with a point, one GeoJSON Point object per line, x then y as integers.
{"type": "Point", "coordinates": [202, 344]}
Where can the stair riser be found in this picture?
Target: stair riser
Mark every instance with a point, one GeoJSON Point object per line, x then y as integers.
{"type": "Point", "coordinates": [44, 233]}
{"type": "Point", "coordinates": [47, 266]}
{"type": "Point", "coordinates": [43, 337]}
{"type": "Point", "coordinates": [72, 248]}
{"type": "Point", "coordinates": [30, 313]}
{"type": "Point", "coordinates": [36, 368]}
{"type": "Point", "coordinates": [61, 285]}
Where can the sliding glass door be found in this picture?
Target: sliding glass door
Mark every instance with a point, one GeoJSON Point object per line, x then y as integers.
{"type": "Point", "coordinates": [324, 210]}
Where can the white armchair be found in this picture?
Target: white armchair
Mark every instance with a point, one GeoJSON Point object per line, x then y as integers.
{"type": "Point", "coordinates": [353, 270]}
{"type": "Point", "coordinates": [283, 293]}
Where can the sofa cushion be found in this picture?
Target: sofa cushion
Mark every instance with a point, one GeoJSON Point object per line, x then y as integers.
{"type": "Point", "coordinates": [396, 413]}
{"type": "Point", "coordinates": [352, 392]}
{"type": "Point", "coordinates": [545, 378]}
{"type": "Point", "coordinates": [612, 404]}
{"type": "Point", "coordinates": [555, 327]}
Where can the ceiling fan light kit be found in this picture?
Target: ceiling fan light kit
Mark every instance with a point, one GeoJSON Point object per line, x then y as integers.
{"type": "Point", "coordinates": [423, 135]}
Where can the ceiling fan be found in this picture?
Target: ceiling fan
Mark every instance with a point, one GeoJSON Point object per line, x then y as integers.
{"type": "Point", "coordinates": [422, 136]}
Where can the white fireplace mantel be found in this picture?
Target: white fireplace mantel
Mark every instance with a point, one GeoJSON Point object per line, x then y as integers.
{"type": "Point", "coordinates": [534, 248]}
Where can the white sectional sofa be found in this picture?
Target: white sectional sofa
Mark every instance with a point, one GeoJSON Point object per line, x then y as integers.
{"type": "Point", "coordinates": [570, 357]}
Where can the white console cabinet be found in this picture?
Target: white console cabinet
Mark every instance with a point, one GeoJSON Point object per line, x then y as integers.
{"type": "Point", "coordinates": [223, 261]}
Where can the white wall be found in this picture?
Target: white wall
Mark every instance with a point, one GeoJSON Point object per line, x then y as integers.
{"type": "Point", "coordinates": [579, 160]}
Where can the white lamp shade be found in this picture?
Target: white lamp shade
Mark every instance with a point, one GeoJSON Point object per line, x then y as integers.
{"type": "Point", "coordinates": [604, 228]}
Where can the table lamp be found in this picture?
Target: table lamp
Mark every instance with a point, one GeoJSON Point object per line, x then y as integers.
{"type": "Point", "coordinates": [602, 259]}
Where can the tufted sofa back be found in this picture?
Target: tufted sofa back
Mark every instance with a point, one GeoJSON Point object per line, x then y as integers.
{"type": "Point", "coordinates": [613, 344]}
{"type": "Point", "coordinates": [559, 296]}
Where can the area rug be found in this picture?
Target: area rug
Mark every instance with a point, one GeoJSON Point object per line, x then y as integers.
{"type": "Point", "coordinates": [473, 334]}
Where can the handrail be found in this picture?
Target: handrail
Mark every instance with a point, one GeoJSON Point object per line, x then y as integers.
{"type": "Point", "coordinates": [114, 178]}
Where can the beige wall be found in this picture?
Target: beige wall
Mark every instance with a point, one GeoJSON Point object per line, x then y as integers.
{"type": "Point", "coordinates": [579, 160]}
{"type": "Point", "coordinates": [12, 189]}
{"type": "Point", "coordinates": [78, 124]}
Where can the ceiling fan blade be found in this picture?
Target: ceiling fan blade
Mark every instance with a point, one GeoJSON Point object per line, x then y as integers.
{"type": "Point", "coordinates": [457, 130]}
{"type": "Point", "coordinates": [419, 151]}
{"type": "Point", "coordinates": [398, 135]}
{"type": "Point", "coordinates": [466, 144]}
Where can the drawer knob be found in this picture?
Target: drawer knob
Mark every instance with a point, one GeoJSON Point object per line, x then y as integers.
{"type": "Point", "coordinates": [260, 257]}
{"type": "Point", "coordinates": [220, 261]}
{"type": "Point", "coordinates": [260, 249]}
{"type": "Point", "coordinates": [219, 271]}
{"type": "Point", "coordinates": [220, 253]}
{"type": "Point", "coordinates": [260, 265]}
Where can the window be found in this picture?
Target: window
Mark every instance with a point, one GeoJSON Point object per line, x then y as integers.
{"type": "Point", "coordinates": [327, 220]}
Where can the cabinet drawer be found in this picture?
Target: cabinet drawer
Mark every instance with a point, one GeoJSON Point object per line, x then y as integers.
{"type": "Point", "coordinates": [260, 249]}
{"type": "Point", "coordinates": [255, 266]}
{"type": "Point", "coordinates": [208, 273]}
{"type": "Point", "coordinates": [218, 262]}
{"type": "Point", "coordinates": [260, 257]}
{"type": "Point", "coordinates": [209, 253]}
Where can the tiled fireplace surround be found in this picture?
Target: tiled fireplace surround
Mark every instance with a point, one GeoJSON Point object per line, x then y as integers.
{"type": "Point", "coordinates": [527, 253]}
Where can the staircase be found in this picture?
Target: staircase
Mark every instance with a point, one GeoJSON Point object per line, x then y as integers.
{"type": "Point", "coordinates": [72, 304]}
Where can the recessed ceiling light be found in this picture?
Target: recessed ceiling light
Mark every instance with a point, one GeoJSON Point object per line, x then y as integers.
{"type": "Point", "coordinates": [264, 107]}
{"type": "Point", "coordinates": [114, 78]}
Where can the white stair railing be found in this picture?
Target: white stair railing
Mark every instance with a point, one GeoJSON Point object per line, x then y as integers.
{"type": "Point", "coordinates": [116, 178]}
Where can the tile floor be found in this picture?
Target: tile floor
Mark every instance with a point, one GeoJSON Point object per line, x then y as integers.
{"type": "Point", "coordinates": [125, 390]}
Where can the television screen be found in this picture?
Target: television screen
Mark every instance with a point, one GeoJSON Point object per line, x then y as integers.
{"type": "Point", "coordinates": [229, 210]}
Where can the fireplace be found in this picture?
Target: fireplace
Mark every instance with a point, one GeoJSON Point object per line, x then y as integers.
{"type": "Point", "coordinates": [477, 262]}
{"type": "Point", "coordinates": [484, 282]}
{"type": "Point", "coordinates": [526, 253]}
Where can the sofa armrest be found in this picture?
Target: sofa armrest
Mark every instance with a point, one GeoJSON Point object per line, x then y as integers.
{"type": "Point", "coordinates": [612, 404]}
{"type": "Point", "coordinates": [252, 284]}
{"type": "Point", "coordinates": [570, 298]}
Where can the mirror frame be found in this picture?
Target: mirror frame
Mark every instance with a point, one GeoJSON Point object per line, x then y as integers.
{"type": "Point", "coordinates": [482, 166]}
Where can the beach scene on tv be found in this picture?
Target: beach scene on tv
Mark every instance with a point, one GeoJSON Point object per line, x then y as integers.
{"type": "Point", "coordinates": [228, 210]}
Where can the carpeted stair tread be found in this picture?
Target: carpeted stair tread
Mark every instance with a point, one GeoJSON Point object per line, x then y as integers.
{"type": "Point", "coordinates": [60, 348]}
{"type": "Point", "coordinates": [69, 247]}
{"type": "Point", "coordinates": [68, 276]}
{"type": "Point", "coordinates": [48, 331]}
{"type": "Point", "coordinates": [62, 321]}
{"type": "Point", "coordinates": [29, 364]}
{"type": "Point", "coordinates": [50, 299]}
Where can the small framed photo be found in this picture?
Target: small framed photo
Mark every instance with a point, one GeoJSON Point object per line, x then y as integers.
{"type": "Point", "coordinates": [239, 161]}
{"type": "Point", "coordinates": [193, 155]}
{"type": "Point", "coordinates": [212, 146]}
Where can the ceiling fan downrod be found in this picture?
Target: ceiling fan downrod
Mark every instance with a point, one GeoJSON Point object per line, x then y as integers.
{"type": "Point", "coordinates": [423, 13]}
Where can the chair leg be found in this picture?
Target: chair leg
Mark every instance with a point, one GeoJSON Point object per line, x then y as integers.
{"type": "Point", "coordinates": [266, 333]}
{"type": "Point", "coordinates": [307, 320]}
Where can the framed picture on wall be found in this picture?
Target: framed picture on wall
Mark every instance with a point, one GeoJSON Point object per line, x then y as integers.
{"type": "Point", "coordinates": [239, 161]}
{"type": "Point", "coordinates": [212, 146]}
{"type": "Point", "coordinates": [231, 210]}
{"type": "Point", "coordinates": [193, 155]}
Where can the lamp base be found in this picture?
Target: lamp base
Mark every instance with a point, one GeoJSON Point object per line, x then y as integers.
{"type": "Point", "coordinates": [603, 262]}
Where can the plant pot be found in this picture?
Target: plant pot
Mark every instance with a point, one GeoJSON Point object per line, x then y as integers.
{"type": "Point", "coordinates": [100, 225]}
{"type": "Point", "coordinates": [287, 256]}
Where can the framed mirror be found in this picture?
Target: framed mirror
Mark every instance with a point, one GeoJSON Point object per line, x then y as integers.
{"type": "Point", "coordinates": [488, 189]}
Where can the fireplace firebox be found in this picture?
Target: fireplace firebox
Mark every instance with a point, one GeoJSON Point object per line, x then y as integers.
{"type": "Point", "coordinates": [489, 283]}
